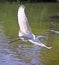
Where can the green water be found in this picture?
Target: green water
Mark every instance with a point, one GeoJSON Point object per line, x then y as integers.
{"type": "Point", "coordinates": [25, 53]}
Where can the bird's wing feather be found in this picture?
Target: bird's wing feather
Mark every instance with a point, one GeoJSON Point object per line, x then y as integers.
{"type": "Point", "coordinates": [23, 23]}
{"type": "Point", "coordinates": [41, 37]}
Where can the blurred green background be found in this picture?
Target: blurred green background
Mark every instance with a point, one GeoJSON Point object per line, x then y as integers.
{"type": "Point", "coordinates": [39, 17]}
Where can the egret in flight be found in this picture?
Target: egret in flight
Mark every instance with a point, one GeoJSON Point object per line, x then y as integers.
{"type": "Point", "coordinates": [25, 32]}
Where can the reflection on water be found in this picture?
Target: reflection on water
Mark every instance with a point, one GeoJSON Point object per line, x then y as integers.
{"type": "Point", "coordinates": [24, 54]}
{"type": "Point", "coordinates": [30, 55]}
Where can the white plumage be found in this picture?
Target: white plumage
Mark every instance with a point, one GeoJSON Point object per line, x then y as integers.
{"type": "Point", "coordinates": [23, 22]}
{"type": "Point", "coordinates": [25, 32]}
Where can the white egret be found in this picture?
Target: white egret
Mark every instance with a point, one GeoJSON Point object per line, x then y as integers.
{"type": "Point", "coordinates": [55, 32]}
{"type": "Point", "coordinates": [25, 32]}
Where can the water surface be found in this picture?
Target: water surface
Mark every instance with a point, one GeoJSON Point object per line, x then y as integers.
{"type": "Point", "coordinates": [25, 53]}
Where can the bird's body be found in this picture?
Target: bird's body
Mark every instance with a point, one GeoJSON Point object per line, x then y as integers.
{"type": "Point", "coordinates": [25, 32]}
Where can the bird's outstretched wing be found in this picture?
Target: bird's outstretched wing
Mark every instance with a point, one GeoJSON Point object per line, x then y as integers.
{"type": "Point", "coordinates": [23, 22]}
{"type": "Point", "coordinates": [41, 37]}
